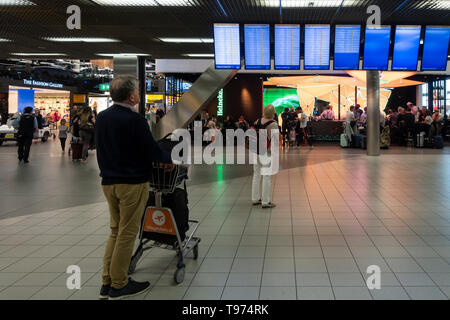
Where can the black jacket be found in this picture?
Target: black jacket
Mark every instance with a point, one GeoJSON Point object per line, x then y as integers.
{"type": "Point", "coordinates": [125, 147]}
{"type": "Point", "coordinates": [26, 126]}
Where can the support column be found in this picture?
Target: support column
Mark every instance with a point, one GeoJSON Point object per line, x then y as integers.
{"type": "Point", "coordinates": [132, 66]}
{"type": "Point", "coordinates": [4, 96]}
{"type": "Point", "coordinates": [373, 113]}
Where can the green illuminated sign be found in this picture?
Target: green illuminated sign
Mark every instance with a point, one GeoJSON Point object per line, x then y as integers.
{"type": "Point", "coordinates": [104, 87]}
{"type": "Point", "coordinates": [220, 103]}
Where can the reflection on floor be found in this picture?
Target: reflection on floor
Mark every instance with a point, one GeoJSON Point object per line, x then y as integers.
{"type": "Point", "coordinates": [338, 212]}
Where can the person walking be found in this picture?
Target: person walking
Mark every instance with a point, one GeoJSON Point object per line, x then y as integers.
{"type": "Point", "coordinates": [63, 129]}
{"type": "Point", "coordinates": [86, 130]}
{"type": "Point", "coordinates": [125, 152]}
{"type": "Point", "coordinates": [262, 162]}
{"type": "Point", "coordinates": [26, 125]}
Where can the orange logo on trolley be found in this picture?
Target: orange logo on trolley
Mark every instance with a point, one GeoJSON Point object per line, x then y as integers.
{"type": "Point", "coordinates": [159, 220]}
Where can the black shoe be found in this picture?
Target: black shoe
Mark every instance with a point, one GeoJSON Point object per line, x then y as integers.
{"type": "Point", "coordinates": [104, 292]}
{"type": "Point", "coordinates": [26, 161]}
{"type": "Point", "coordinates": [132, 288]}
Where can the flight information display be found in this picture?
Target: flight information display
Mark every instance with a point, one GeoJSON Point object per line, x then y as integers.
{"type": "Point", "coordinates": [376, 48]}
{"type": "Point", "coordinates": [406, 47]}
{"type": "Point", "coordinates": [257, 46]}
{"type": "Point", "coordinates": [317, 47]}
{"type": "Point", "coordinates": [227, 46]}
{"type": "Point", "coordinates": [346, 47]}
{"type": "Point", "coordinates": [287, 47]}
{"type": "Point", "coordinates": [435, 50]}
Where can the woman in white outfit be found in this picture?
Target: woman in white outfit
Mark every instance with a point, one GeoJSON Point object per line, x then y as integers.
{"type": "Point", "coordinates": [262, 163]}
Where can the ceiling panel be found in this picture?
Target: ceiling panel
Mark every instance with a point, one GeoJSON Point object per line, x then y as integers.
{"type": "Point", "coordinates": [138, 27]}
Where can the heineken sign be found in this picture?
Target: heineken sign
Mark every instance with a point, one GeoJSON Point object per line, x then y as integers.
{"type": "Point", "coordinates": [220, 103]}
{"type": "Point", "coordinates": [104, 87]}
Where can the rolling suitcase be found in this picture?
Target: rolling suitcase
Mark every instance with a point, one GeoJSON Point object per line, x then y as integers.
{"type": "Point", "coordinates": [344, 141]}
{"type": "Point", "coordinates": [420, 140]}
{"type": "Point", "coordinates": [438, 142]}
{"type": "Point", "coordinates": [357, 141]}
{"type": "Point", "coordinates": [77, 150]}
{"type": "Point", "coordinates": [364, 142]}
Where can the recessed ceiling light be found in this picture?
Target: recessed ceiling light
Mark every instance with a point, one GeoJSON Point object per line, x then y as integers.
{"type": "Point", "coordinates": [121, 54]}
{"type": "Point", "coordinates": [16, 3]}
{"type": "Point", "coordinates": [4, 40]}
{"type": "Point", "coordinates": [187, 40]}
{"type": "Point", "coordinates": [81, 39]}
{"type": "Point", "coordinates": [37, 54]}
{"type": "Point", "coordinates": [199, 55]}
{"type": "Point", "coordinates": [308, 3]}
{"type": "Point", "coordinates": [147, 3]}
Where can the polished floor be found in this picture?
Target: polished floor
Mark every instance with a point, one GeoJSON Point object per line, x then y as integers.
{"type": "Point", "coordinates": [338, 212]}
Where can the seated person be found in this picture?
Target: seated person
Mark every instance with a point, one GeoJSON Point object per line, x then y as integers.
{"type": "Point", "coordinates": [328, 114]}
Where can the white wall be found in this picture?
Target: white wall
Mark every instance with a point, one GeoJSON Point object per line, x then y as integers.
{"type": "Point", "coordinates": [13, 101]}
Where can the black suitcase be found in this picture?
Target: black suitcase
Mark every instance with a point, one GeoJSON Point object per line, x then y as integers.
{"type": "Point", "coordinates": [77, 150]}
{"type": "Point", "coordinates": [178, 203]}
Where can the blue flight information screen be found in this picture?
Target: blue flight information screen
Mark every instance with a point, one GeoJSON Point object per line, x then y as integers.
{"type": "Point", "coordinates": [406, 48]}
{"type": "Point", "coordinates": [376, 48]}
{"type": "Point", "coordinates": [346, 47]}
{"type": "Point", "coordinates": [287, 47]}
{"type": "Point", "coordinates": [227, 46]}
{"type": "Point", "coordinates": [317, 47]}
{"type": "Point", "coordinates": [435, 50]}
{"type": "Point", "coordinates": [257, 46]}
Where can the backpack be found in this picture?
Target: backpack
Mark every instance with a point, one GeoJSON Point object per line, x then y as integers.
{"type": "Point", "coordinates": [86, 125]}
{"type": "Point", "coordinates": [253, 138]}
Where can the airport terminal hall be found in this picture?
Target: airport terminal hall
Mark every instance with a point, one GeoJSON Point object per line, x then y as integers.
{"type": "Point", "coordinates": [210, 158]}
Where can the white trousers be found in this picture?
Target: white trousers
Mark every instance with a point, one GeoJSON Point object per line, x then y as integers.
{"type": "Point", "coordinates": [256, 187]}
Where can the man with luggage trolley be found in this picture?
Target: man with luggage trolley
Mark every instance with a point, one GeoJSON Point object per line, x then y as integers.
{"type": "Point", "coordinates": [125, 151]}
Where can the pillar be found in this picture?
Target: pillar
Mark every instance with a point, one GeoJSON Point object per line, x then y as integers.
{"type": "Point", "coordinates": [4, 96]}
{"type": "Point", "coordinates": [132, 66]}
{"type": "Point", "coordinates": [373, 113]}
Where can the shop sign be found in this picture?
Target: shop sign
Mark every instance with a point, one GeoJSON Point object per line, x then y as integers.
{"type": "Point", "coordinates": [79, 98]}
{"type": "Point", "coordinates": [104, 87]}
{"type": "Point", "coordinates": [220, 103]}
{"type": "Point", "coordinates": [152, 98]}
{"type": "Point", "coordinates": [42, 84]}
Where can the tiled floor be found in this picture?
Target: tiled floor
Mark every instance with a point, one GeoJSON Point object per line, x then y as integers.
{"type": "Point", "coordinates": [337, 214]}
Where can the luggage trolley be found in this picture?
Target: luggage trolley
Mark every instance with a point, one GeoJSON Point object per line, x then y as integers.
{"type": "Point", "coordinates": [159, 228]}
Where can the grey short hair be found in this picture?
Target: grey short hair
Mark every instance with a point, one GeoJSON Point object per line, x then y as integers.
{"type": "Point", "coordinates": [121, 88]}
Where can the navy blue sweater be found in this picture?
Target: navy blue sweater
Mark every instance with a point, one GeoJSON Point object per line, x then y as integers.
{"type": "Point", "coordinates": [125, 147]}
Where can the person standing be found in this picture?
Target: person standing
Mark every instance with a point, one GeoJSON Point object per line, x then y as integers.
{"type": "Point", "coordinates": [63, 134]}
{"type": "Point", "coordinates": [284, 125]}
{"type": "Point", "coordinates": [262, 162]}
{"type": "Point", "coordinates": [302, 124]}
{"type": "Point", "coordinates": [38, 116]}
{"type": "Point", "coordinates": [26, 125]}
{"type": "Point", "coordinates": [125, 152]}
{"type": "Point", "coordinates": [86, 130]}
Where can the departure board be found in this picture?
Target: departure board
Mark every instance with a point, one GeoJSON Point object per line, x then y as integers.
{"type": "Point", "coordinates": [435, 50]}
{"type": "Point", "coordinates": [317, 47]}
{"type": "Point", "coordinates": [287, 47]}
{"type": "Point", "coordinates": [257, 46]}
{"type": "Point", "coordinates": [406, 48]}
{"type": "Point", "coordinates": [376, 48]}
{"type": "Point", "coordinates": [346, 47]}
{"type": "Point", "coordinates": [227, 46]}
